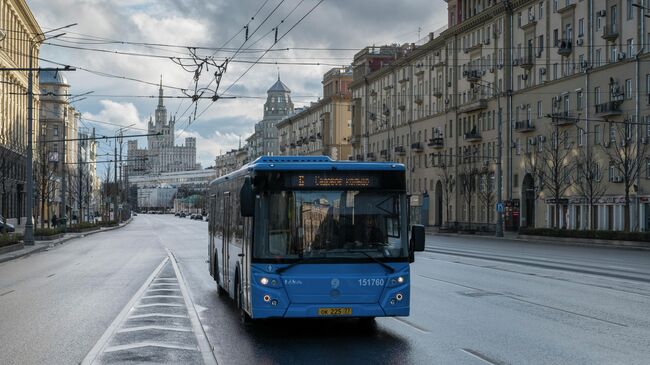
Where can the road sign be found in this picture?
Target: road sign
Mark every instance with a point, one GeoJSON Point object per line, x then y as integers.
{"type": "Point", "coordinates": [500, 207]}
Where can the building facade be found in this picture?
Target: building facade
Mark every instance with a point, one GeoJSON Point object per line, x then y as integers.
{"type": "Point", "coordinates": [17, 23]}
{"type": "Point", "coordinates": [264, 141]}
{"type": "Point", "coordinates": [231, 160]}
{"type": "Point", "coordinates": [57, 176]}
{"type": "Point", "coordinates": [565, 81]}
{"type": "Point", "coordinates": [161, 154]}
{"type": "Point", "coordinates": [324, 127]}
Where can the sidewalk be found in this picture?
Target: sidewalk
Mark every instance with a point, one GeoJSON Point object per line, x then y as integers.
{"type": "Point", "coordinates": [515, 236]}
{"type": "Point", "coordinates": [40, 246]}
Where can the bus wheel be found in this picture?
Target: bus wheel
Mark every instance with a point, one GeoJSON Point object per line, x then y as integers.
{"type": "Point", "coordinates": [220, 289]}
{"type": "Point", "coordinates": [239, 293]}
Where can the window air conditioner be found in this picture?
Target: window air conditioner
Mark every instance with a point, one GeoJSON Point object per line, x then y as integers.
{"type": "Point", "coordinates": [579, 42]}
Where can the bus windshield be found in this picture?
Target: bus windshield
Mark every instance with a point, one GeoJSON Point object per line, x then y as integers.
{"type": "Point", "coordinates": [333, 224]}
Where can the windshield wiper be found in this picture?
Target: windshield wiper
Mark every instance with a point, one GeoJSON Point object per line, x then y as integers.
{"type": "Point", "coordinates": [280, 270]}
{"type": "Point", "coordinates": [385, 265]}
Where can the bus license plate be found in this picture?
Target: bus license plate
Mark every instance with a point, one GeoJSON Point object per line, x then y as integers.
{"type": "Point", "coordinates": [334, 311]}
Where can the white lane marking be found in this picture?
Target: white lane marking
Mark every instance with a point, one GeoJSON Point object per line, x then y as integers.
{"type": "Point", "coordinates": [163, 290]}
{"type": "Point", "coordinates": [103, 341]}
{"type": "Point", "coordinates": [482, 357]}
{"type": "Point", "coordinates": [148, 315]}
{"type": "Point", "coordinates": [145, 328]}
{"type": "Point", "coordinates": [158, 305]}
{"type": "Point", "coordinates": [413, 326]}
{"type": "Point", "coordinates": [199, 332]}
{"type": "Point", "coordinates": [161, 296]}
{"type": "Point", "coordinates": [148, 344]}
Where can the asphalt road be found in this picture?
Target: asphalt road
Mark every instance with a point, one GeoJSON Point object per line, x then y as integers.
{"type": "Point", "coordinates": [474, 301]}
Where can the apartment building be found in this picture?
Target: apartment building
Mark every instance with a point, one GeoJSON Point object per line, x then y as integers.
{"type": "Point", "coordinates": [17, 27]}
{"type": "Point", "coordinates": [560, 78]}
{"type": "Point", "coordinates": [324, 127]}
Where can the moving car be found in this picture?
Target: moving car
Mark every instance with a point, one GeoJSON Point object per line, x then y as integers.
{"type": "Point", "coordinates": [6, 227]}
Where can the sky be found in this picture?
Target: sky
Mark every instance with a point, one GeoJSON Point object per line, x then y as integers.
{"type": "Point", "coordinates": [156, 31]}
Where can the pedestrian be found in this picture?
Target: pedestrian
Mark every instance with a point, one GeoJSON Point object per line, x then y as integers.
{"type": "Point", "coordinates": [54, 221]}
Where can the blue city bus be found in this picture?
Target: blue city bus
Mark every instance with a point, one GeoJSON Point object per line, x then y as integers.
{"type": "Point", "coordinates": [312, 237]}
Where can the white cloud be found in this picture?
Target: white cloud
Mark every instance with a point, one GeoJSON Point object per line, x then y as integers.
{"type": "Point", "coordinates": [335, 24]}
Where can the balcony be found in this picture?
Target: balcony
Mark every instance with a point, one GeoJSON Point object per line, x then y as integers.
{"type": "Point", "coordinates": [473, 75]}
{"type": "Point", "coordinates": [400, 151]}
{"type": "Point", "coordinates": [610, 108]}
{"type": "Point", "coordinates": [437, 92]}
{"type": "Point", "coordinates": [417, 146]}
{"type": "Point", "coordinates": [437, 143]}
{"type": "Point", "coordinates": [359, 157]}
{"type": "Point", "coordinates": [383, 153]}
{"type": "Point", "coordinates": [283, 148]}
{"type": "Point", "coordinates": [527, 62]}
{"type": "Point", "coordinates": [419, 99]}
{"type": "Point", "coordinates": [312, 138]}
{"type": "Point", "coordinates": [524, 126]}
{"type": "Point", "coordinates": [401, 107]}
{"type": "Point", "coordinates": [371, 156]}
{"type": "Point", "coordinates": [473, 136]}
{"type": "Point", "coordinates": [564, 47]}
{"type": "Point", "coordinates": [476, 101]}
{"type": "Point", "coordinates": [564, 118]}
{"type": "Point", "coordinates": [610, 33]}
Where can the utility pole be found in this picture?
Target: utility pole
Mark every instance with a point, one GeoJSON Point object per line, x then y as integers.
{"type": "Point", "coordinates": [80, 187]}
{"type": "Point", "coordinates": [62, 207]}
{"type": "Point", "coordinates": [115, 184]}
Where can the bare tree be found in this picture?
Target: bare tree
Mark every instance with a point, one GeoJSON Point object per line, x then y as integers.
{"type": "Point", "coordinates": [589, 183]}
{"type": "Point", "coordinates": [626, 157]}
{"type": "Point", "coordinates": [46, 184]}
{"type": "Point", "coordinates": [556, 168]}
{"type": "Point", "coordinates": [467, 182]}
{"type": "Point", "coordinates": [448, 181]}
{"type": "Point", "coordinates": [486, 191]}
{"type": "Point", "coordinates": [9, 157]}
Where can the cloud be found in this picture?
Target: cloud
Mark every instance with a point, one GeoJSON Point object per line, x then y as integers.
{"type": "Point", "coordinates": [334, 24]}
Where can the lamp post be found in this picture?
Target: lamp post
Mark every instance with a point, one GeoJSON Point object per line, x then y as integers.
{"type": "Point", "coordinates": [499, 175]}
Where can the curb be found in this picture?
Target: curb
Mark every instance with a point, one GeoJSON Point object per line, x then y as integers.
{"type": "Point", "coordinates": [62, 241]}
{"type": "Point", "coordinates": [557, 241]}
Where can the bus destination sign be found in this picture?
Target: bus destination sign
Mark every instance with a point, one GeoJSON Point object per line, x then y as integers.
{"type": "Point", "coordinates": [334, 181]}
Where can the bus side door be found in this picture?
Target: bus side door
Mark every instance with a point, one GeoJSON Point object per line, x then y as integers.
{"type": "Point", "coordinates": [225, 243]}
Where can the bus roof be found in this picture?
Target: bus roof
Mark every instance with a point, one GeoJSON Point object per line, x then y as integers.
{"type": "Point", "coordinates": [310, 163]}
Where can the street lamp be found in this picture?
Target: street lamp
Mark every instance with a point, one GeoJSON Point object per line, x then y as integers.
{"type": "Point", "coordinates": [499, 206]}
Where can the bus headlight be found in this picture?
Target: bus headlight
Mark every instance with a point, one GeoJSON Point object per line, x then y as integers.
{"type": "Point", "coordinates": [264, 281]}
{"type": "Point", "coordinates": [400, 279]}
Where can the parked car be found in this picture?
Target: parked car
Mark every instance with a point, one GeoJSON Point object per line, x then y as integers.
{"type": "Point", "coordinates": [6, 227]}
{"type": "Point", "coordinates": [182, 215]}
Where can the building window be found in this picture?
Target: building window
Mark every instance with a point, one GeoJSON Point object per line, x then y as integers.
{"type": "Point", "coordinates": [539, 109]}
{"type": "Point", "coordinates": [612, 134]}
{"type": "Point", "coordinates": [597, 58]}
{"type": "Point", "coordinates": [630, 10]}
{"type": "Point", "coordinates": [597, 134]}
{"type": "Point", "coordinates": [55, 132]}
{"type": "Point", "coordinates": [581, 27]}
{"type": "Point", "coordinates": [541, 10]}
{"type": "Point", "coordinates": [597, 95]}
{"type": "Point", "coordinates": [628, 89]}
{"type": "Point", "coordinates": [579, 135]}
{"type": "Point", "coordinates": [630, 47]}
{"type": "Point", "coordinates": [579, 100]}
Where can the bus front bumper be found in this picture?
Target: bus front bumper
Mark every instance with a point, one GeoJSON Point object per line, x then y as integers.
{"type": "Point", "coordinates": [331, 311]}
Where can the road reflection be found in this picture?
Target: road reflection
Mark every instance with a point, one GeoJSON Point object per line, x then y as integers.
{"type": "Point", "coordinates": [302, 341]}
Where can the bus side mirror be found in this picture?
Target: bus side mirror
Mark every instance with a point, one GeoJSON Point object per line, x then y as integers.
{"type": "Point", "coordinates": [417, 238]}
{"type": "Point", "coordinates": [247, 198]}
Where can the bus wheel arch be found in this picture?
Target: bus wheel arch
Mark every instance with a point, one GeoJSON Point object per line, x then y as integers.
{"type": "Point", "coordinates": [239, 291]}
{"type": "Point", "coordinates": [220, 290]}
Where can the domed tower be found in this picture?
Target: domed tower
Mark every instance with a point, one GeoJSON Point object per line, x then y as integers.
{"type": "Point", "coordinates": [278, 101]}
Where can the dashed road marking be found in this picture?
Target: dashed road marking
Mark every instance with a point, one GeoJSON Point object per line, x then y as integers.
{"type": "Point", "coordinates": [159, 324]}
